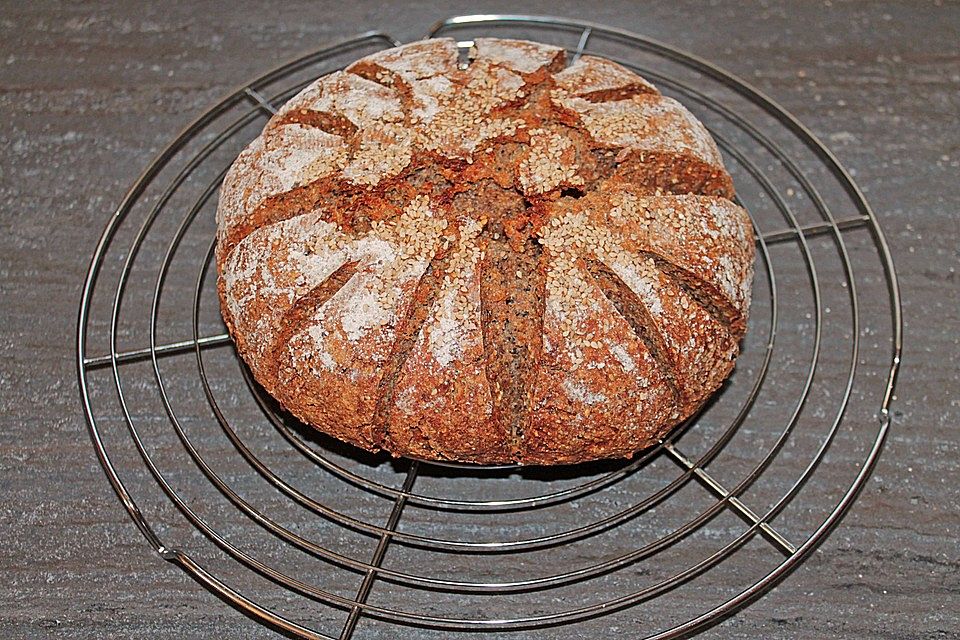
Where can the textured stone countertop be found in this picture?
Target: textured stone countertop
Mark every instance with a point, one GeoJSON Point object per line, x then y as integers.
{"type": "Point", "coordinates": [90, 92]}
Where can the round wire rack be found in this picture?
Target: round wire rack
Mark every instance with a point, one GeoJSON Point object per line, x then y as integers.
{"type": "Point", "coordinates": [321, 541]}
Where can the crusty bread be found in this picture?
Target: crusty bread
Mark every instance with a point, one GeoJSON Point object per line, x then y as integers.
{"type": "Point", "coordinates": [508, 259]}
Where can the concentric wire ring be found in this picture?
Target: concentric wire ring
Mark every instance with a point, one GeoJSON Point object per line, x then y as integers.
{"type": "Point", "coordinates": [759, 525]}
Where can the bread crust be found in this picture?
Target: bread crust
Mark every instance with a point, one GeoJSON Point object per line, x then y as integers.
{"type": "Point", "coordinates": [516, 261]}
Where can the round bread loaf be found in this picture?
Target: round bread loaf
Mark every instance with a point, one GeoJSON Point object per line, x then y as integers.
{"type": "Point", "coordinates": [485, 255]}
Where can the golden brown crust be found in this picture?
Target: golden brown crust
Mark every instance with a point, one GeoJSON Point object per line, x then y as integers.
{"type": "Point", "coordinates": [511, 261]}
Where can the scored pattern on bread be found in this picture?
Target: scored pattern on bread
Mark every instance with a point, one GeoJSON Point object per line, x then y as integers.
{"type": "Point", "coordinates": [511, 260]}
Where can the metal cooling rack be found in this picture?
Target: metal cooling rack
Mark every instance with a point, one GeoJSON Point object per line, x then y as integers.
{"type": "Point", "coordinates": [320, 541]}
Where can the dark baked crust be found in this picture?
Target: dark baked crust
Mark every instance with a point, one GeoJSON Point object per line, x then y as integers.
{"type": "Point", "coordinates": [512, 261]}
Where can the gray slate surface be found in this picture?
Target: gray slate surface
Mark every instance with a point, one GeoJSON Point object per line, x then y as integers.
{"type": "Point", "coordinates": [90, 92]}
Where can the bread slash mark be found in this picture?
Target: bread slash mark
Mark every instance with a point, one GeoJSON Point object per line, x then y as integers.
{"type": "Point", "coordinates": [619, 93]}
{"type": "Point", "coordinates": [386, 78]}
{"type": "Point", "coordinates": [297, 315]}
{"type": "Point", "coordinates": [422, 301]}
{"type": "Point", "coordinates": [672, 173]}
{"type": "Point", "coordinates": [332, 123]}
{"type": "Point", "coordinates": [707, 296]}
{"type": "Point", "coordinates": [512, 299]}
{"type": "Point", "coordinates": [635, 312]}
